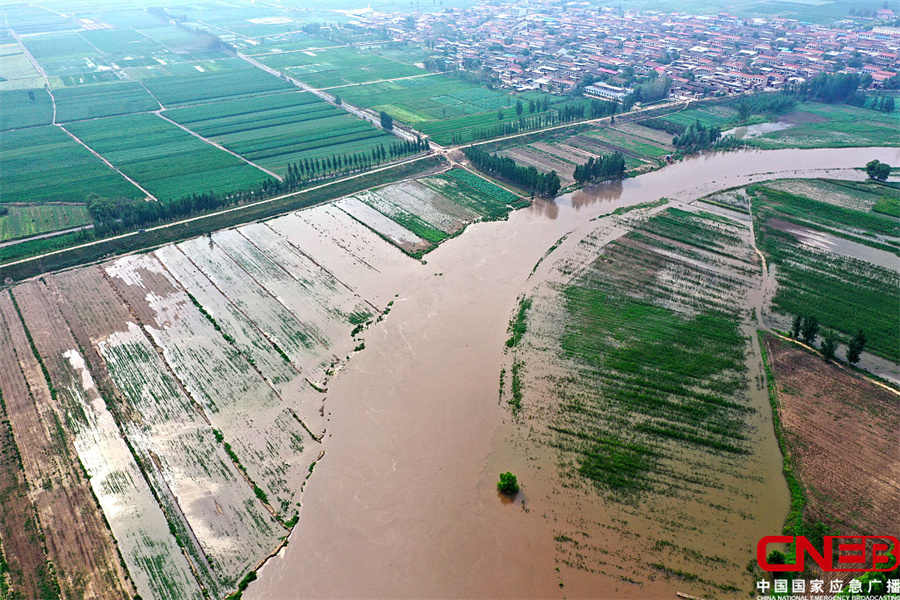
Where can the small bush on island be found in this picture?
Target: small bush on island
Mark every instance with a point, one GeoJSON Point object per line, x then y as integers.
{"type": "Point", "coordinates": [508, 484]}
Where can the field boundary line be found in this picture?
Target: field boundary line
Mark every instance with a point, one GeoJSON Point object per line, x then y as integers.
{"type": "Point", "coordinates": [347, 85]}
{"type": "Point", "coordinates": [108, 164]}
{"type": "Point", "coordinates": [835, 362]}
{"type": "Point", "coordinates": [42, 236]}
{"type": "Point", "coordinates": [598, 120]}
{"type": "Point", "coordinates": [152, 95]}
{"type": "Point", "coordinates": [329, 98]}
{"type": "Point", "coordinates": [159, 114]}
{"type": "Point", "coordinates": [37, 65]}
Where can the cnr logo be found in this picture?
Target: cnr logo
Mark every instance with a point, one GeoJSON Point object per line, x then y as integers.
{"type": "Point", "coordinates": [852, 556]}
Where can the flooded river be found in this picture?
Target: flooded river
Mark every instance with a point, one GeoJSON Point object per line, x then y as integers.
{"type": "Point", "coordinates": [404, 503]}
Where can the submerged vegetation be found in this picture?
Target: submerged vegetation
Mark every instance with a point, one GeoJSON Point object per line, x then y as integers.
{"type": "Point", "coordinates": [653, 367]}
{"type": "Point", "coordinates": [518, 325]}
{"type": "Point", "coordinates": [845, 293]}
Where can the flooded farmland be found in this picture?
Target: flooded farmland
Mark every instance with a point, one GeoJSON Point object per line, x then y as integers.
{"type": "Point", "coordinates": [305, 380]}
{"type": "Point", "coordinates": [406, 503]}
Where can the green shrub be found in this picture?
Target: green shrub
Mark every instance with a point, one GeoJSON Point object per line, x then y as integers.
{"type": "Point", "coordinates": [508, 484]}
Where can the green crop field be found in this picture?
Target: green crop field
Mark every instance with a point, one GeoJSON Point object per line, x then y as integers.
{"type": "Point", "coordinates": [289, 43]}
{"type": "Point", "coordinates": [283, 128]}
{"type": "Point", "coordinates": [43, 164]}
{"type": "Point", "coordinates": [338, 66]}
{"type": "Point", "coordinates": [88, 78]}
{"type": "Point", "coordinates": [241, 81]}
{"type": "Point", "coordinates": [88, 102]}
{"type": "Point", "coordinates": [708, 116]}
{"type": "Point", "coordinates": [844, 293]}
{"type": "Point", "coordinates": [168, 161]}
{"type": "Point", "coordinates": [184, 42]}
{"type": "Point", "coordinates": [629, 145]}
{"type": "Point", "coordinates": [25, 108]}
{"type": "Point", "coordinates": [442, 107]}
{"type": "Point", "coordinates": [833, 126]}
{"type": "Point", "coordinates": [16, 70]}
{"type": "Point", "coordinates": [23, 220]}
{"type": "Point", "coordinates": [280, 129]}
{"type": "Point", "coordinates": [182, 64]}
{"type": "Point", "coordinates": [28, 18]}
{"type": "Point", "coordinates": [488, 200]}
{"type": "Point", "coordinates": [122, 42]}
{"type": "Point", "coordinates": [63, 53]}
{"type": "Point", "coordinates": [425, 98]}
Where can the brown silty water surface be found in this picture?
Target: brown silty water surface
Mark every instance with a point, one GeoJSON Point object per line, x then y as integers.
{"type": "Point", "coordinates": [404, 504]}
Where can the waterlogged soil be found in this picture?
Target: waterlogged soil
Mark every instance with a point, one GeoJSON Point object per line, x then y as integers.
{"type": "Point", "coordinates": [405, 504]}
{"type": "Point", "coordinates": [820, 240]}
{"type": "Point", "coordinates": [751, 131]}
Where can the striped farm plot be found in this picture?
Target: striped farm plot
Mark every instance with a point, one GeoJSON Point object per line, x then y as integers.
{"type": "Point", "coordinates": [380, 223]}
{"type": "Point", "coordinates": [411, 202]}
{"type": "Point", "coordinates": [72, 529]}
{"type": "Point", "coordinates": [209, 506]}
{"type": "Point", "coordinates": [491, 202]}
{"type": "Point", "coordinates": [158, 567]}
{"type": "Point", "coordinates": [543, 161]}
{"type": "Point", "coordinates": [155, 562]}
{"type": "Point", "coordinates": [333, 299]}
{"type": "Point", "coordinates": [231, 528]}
{"type": "Point", "coordinates": [248, 339]}
{"type": "Point", "coordinates": [348, 250]}
{"type": "Point", "coordinates": [327, 311]}
{"type": "Point", "coordinates": [253, 421]}
{"type": "Point", "coordinates": [287, 378]}
{"type": "Point", "coordinates": [275, 130]}
{"type": "Point", "coordinates": [298, 340]}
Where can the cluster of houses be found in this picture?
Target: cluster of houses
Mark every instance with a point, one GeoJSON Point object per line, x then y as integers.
{"type": "Point", "coordinates": [557, 47]}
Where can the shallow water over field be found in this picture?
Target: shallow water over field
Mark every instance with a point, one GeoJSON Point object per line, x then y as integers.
{"type": "Point", "coordinates": [751, 131]}
{"type": "Point", "coordinates": [404, 502]}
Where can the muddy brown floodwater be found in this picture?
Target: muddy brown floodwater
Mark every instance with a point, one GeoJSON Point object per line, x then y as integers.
{"type": "Point", "coordinates": [404, 504]}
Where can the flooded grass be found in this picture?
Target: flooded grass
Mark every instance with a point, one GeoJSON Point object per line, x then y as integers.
{"type": "Point", "coordinates": [518, 325]}
{"type": "Point", "coordinates": [845, 293]}
{"type": "Point", "coordinates": [661, 375]}
{"type": "Point", "coordinates": [806, 210]}
{"type": "Point", "coordinates": [643, 352]}
{"type": "Point", "coordinates": [651, 366]}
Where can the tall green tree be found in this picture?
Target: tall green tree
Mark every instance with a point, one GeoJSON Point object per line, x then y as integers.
{"type": "Point", "coordinates": [387, 121]}
{"type": "Point", "coordinates": [878, 170]}
{"type": "Point", "coordinates": [810, 329]}
{"type": "Point", "coordinates": [855, 347]}
{"type": "Point", "coordinates": [829, 346]}
{"type": "Point", "coordinates": [795, 326]}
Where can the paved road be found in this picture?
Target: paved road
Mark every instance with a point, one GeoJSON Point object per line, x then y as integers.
{"type": "Point", "coordinates": [45, 235]}
{"type": "Point", "coordinates": [366, 115]}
